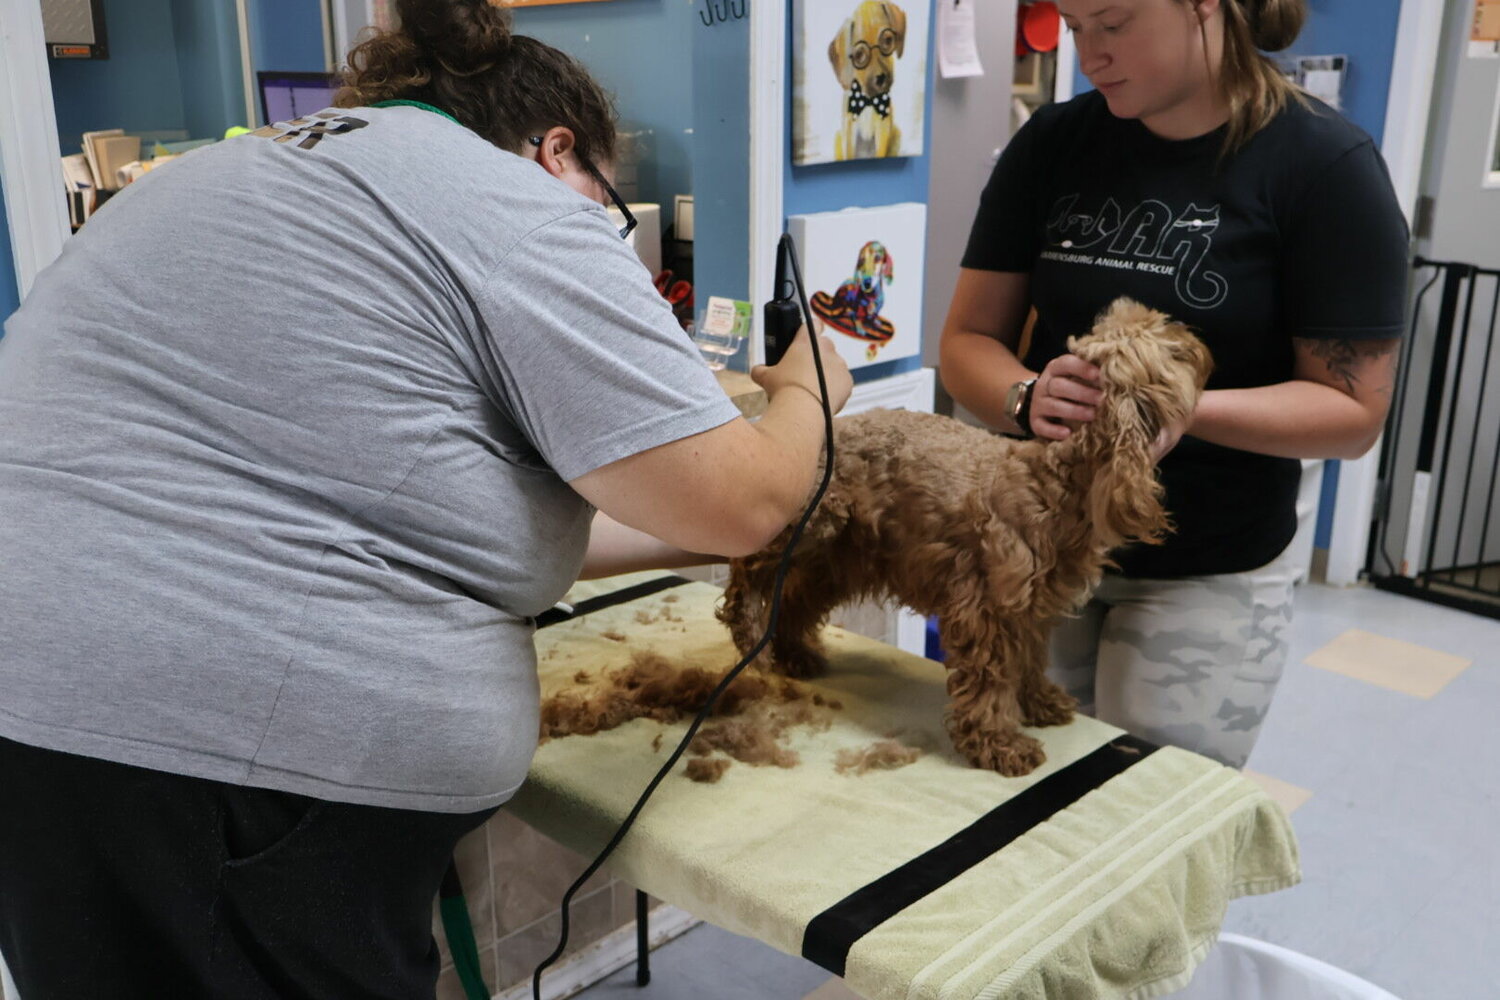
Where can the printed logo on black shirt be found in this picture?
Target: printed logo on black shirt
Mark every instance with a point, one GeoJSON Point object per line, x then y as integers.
{"type": "Point", "coordinates": [1152, 238]}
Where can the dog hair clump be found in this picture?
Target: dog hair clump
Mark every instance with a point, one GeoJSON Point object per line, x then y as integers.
{"type": "Point", "coordinates": [707, 769]}
{"type": "Point", "coordinates": [763, 707]}
{"type": "Point", "coordinates": [998, 538]}
{"type": "Point", "coordinates": [649, 687]}
{"type": "Point", "coordinates": [882, 755]}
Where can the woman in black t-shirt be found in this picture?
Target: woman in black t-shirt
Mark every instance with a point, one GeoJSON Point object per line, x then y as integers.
{"type": "Point", "coordinates": [1197, 180]}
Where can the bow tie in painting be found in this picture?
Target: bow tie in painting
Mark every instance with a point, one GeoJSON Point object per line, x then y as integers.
{"type": "Point", "coordinates": [858, 101]}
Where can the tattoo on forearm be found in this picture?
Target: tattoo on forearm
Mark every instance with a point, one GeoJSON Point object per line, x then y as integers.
{"type": "Point", "coordinates": [1344, 358]}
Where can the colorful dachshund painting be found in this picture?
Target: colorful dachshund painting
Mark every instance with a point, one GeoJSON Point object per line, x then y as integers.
{"type": "Point", "coordinates": [855, 308]}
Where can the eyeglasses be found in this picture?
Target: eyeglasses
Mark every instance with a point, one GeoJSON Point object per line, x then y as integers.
{"type": "Point", "coordinates": [614, 196]}
{"type": "Point", "coordinates": [859, 52]}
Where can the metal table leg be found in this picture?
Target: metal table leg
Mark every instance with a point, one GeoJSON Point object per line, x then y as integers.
{"type": "Point", "coordinates": [642, 937]}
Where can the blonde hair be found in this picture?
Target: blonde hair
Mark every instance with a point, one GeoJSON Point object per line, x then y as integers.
{"type": "Point", "coordinates": [1251, 83]}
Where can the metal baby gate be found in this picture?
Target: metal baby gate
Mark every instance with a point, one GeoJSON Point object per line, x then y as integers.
{"type": "Point", "coordinates": [1437, 526]}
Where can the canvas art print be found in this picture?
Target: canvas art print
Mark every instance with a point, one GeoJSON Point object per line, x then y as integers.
{"type": "Point", "coordinates": [863, 269]}
{"type": "Point", "coordinates": [859, 79]}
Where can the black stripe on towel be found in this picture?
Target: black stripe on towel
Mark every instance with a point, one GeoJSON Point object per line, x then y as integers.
{"type": "Point", "coordinates": [831, 934]}
{"type": "Point", "coordinates": [554, 615]}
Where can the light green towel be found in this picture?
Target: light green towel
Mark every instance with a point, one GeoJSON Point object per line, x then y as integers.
{"type": "Point", "coordinates": [1118, 895]}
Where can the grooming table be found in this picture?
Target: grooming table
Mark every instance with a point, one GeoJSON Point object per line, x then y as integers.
{"type": "Point", "coordinates": [1104, 873]}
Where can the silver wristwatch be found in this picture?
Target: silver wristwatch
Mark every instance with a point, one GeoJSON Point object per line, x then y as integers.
{"type": "Point", "coordinates": [1018, 404]}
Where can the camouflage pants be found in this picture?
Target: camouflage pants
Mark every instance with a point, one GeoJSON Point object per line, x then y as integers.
{"type": "Point", "coordinates": [1191, 662]}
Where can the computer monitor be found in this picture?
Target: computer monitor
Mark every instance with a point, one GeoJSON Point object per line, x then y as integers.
{"type": "Point", "coordinates": [288, 95]}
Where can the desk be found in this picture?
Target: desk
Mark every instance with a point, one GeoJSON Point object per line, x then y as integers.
{"type": "Point", "coordinates": [934, 881]}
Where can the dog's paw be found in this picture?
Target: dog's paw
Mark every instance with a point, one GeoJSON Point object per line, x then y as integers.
{"type": "Point", "coordinates": [1051, 706]}
{"type": "Point", "coordinates": [1016, 755]}
{"type": "Point", "coordinates": [800, 663]}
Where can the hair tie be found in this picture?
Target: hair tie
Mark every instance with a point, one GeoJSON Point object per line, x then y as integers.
{"type": "Point", "coordinates": [485, 68]}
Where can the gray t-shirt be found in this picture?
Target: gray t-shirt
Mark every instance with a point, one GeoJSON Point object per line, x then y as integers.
{"type": "Point", "coordinates": [284, 442]}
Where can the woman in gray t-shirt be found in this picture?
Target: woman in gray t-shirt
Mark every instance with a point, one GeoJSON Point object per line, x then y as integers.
{"type": "Point", "coordinates": [299, 434]}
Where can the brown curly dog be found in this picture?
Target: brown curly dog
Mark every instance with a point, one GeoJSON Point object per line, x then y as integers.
{"type": "Point", "coordinates": [996, 537]}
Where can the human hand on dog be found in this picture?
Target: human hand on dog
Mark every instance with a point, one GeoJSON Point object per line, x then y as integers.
{"type": "Point", "coordinates": [1066, 394]}
{"type": "Point", "coordinates": [797, 368]}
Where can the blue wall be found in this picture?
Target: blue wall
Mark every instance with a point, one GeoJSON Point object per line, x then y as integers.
{"type": "Point", "coordinates": [830, 187]}
{"type": "Point", "coordinates": [686, 84]}
{"type": "Point", "coordinates": [137, 88]}
{"type": "Point", "coordinates": [286, 35]}
{"type": "Point", "coordinates": [643, 52]}
{"type": "Point", "coordinates": [174, 67]}
{"type": "Point", "coordinates": [9, 296]}
{"type": "Point", "coordinates": [721, 159]}
{"type": "Point", "coordinates": [208, 67]}
{"type": "Point", "coordinates": [1363, 30]}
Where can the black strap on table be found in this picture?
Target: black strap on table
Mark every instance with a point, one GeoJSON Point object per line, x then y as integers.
{"type": "Point", "coordinates": [831, 934]}
{"type": "Point", "coordinates": [554, 615]}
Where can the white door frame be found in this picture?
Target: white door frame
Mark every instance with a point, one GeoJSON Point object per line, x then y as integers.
{"type": "Point", "coordinates": [768, 94]}
{"type": "Point", "coordinates": [28, 144]}
{"type": "Point", "coordinates": [1407, 111]}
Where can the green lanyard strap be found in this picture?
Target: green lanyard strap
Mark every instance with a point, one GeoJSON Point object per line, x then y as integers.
{"type": "Point", "coordinates": [416, 104]}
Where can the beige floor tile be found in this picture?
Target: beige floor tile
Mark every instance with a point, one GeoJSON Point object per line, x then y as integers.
{"type": "Point", "coordinates": [1390, 663]}
{"type": "Point", "coordinates": [834, 989]}
{"type": "Point", "coordinates": [531, 873]}
{"type": "Point", "coordinates": [1284, 794]}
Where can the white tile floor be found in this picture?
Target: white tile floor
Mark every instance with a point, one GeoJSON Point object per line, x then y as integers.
{"type": "Point", "coordinates": [1396, 810]}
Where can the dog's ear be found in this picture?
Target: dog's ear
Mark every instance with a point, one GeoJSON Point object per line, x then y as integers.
{"type": "Point", "coordinates": [838, 52]}
{"type": "Point", "coordinates": [1125, 497]}
{"type": "Point", "coordinates": [888, 269]}
{"type": "Point", "coordinates": [897, 17]}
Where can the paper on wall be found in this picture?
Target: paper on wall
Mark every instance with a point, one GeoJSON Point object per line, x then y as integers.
{"type": "Point", "coordinates": [958, 48]}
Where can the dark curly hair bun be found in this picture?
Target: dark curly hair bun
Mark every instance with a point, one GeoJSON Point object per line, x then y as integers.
{"type": "Point", "coordinates": [465, 36]}
{"type": "Point", "coordinates": [460, 57]}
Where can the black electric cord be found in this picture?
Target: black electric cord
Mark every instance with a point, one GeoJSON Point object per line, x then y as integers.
{"type": "Point", "coordinates": [786, 251]}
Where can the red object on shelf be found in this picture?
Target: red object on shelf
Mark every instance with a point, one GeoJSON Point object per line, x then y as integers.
{"type": "Point", "coordinates": [1037, 27]}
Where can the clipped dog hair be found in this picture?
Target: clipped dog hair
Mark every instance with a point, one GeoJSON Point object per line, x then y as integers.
{"type": "Point", "coordinates": [998, 538]}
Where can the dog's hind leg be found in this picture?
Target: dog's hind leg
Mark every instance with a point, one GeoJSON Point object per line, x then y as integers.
{"type": "Point", "coordinates": [1042, 702]}
{"type": "Point", "coordinates": [805, 602]}
{"type": "Point", "coordinates": [983, 709]}
{"type": "Point", "coordinates": [746, 603]}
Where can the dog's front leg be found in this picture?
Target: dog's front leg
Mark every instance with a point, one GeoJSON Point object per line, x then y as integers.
{"type": "Point", "coordinates": [984, 713]}
{"type": "Point", "coordinates": [1043, 703]}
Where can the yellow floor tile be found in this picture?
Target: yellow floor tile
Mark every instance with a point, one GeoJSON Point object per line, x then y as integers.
{"type": "Point", "coordinates": [1284, 794]}
{"type": "Point", "coordinates": [834, 989]}
{"type": "Point", "coordinates": [1390, 663]}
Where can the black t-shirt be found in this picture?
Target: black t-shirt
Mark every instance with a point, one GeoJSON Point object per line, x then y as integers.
{"type": "Point", "coordinates": [1297, 234]}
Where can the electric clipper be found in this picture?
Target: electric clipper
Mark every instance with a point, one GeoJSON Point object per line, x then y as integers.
{"type": "Point", "coordinates": [782, 317]}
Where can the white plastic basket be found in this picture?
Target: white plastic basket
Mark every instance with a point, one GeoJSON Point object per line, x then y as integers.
{"type": "Point", "coordinates": [1241, 968]}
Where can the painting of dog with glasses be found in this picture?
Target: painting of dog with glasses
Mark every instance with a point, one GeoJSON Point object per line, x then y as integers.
{"type": "Point", "coordinates": [870, 104]}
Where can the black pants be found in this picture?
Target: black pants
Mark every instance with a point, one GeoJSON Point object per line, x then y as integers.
{"type": "Point", "coordinates": [120, 882]}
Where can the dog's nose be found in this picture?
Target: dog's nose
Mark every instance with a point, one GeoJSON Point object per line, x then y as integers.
{"type": "Point", "coordinates": [882, 80]}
